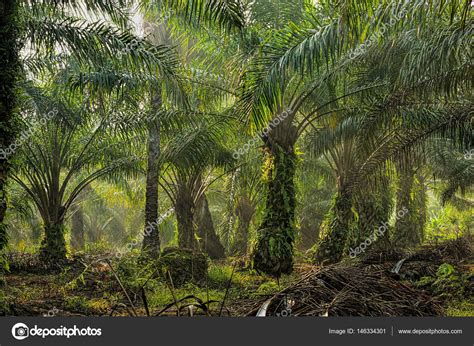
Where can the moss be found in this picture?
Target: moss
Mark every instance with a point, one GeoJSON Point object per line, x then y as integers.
{"type": "Point", "coordinates": [424, 281]}
{"type": "Point", "coordinates": [76, 303]}
{"type": "Point", "coordinates": [273, 253]}
{"type": "Point", "coordinates": [461, 308]}
{"type": "Point", "coordinates": [331, 248]}
{"type": "Point", "coordinates": [53, 247]}
{"type": "Point", "coordinates": [87, 305]}
{"type": "Point", "coordinates": [183, 265]}
{"type": "Point", "coordinates": [10, 31]}
{"type": "Point", "coordinates": [267, 288]}
{"type": "Point", "coordinates": [160, 295]}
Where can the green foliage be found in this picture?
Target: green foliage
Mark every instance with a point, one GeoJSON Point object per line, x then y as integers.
{"type": "Point", "coordinates": [10, 74]}
{"type": "Point", "coordinates": [273, 253]}
{"type": "Point", "coordinates": [219, 275]}
{"type": "Point", "coordinates": [86, 305]}
{"type": "Point", "coordinates": [183, 265]}
{"type": "Point", "coordinates": [378, 94]}
{"type": "Point", "coordinates": [331, 248]}
{"type": "Point", "coordinates": [449, 223]}
{"type": "Point", "coordinates": [268, 288]}
{"type": "Point", "coordinates": [462, 308]}
{"type": "Point", "coordinates": [133, 272]}
{"type": "Point", "coordinates": [227, 14]}
{"type": "Point", "coordinates": [448, 283]}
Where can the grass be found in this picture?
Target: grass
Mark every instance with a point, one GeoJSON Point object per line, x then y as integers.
{"type": "Point", "coordinates": [97, 293]}
{"type": "Point", "coordinates": [463, 308]}
{"type": "Point", "coordinates": [94, 292]}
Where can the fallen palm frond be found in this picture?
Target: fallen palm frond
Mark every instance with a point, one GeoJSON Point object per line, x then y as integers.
{"type": "Point", "coordinates": [343, 290]}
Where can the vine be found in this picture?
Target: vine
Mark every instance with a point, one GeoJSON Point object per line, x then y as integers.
{"type": "Point", "coordinates": [274, 250]}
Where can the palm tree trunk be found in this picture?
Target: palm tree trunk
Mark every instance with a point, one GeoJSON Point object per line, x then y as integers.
{"type": "Point", "coordinates": [373, 210]}
{"type": "Point", "coordinates": [184, 210]}
{"type": "Point", "coordinates": [411, 210]}
{"type": "Point", "coordinates": [274, 250]}
{"type": "Point", "coordinates": [331, 248]}
{"type": "Point", "coordinates": [151, 239]}
{"type": "Point", "coordinates": [209, 240]}
{"type": "Point", "coordinates": [9, 72]}
{"type": "Point", "coordinates": [244, 211]}
{"type": "Point", "coordinates": [53, 246]}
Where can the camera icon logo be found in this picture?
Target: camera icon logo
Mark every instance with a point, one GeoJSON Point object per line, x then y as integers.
{"type": "Point", "coordinates": [469, 154]}
{"type": "Point", "coordinates": [20, 331]}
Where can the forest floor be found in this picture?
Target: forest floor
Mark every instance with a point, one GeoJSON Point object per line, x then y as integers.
{"type": "Point", "coordinates": [433, 281]}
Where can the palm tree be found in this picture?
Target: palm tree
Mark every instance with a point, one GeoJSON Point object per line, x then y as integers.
{"type": "Point", "coordinates": [206, 232]}
{"type": "Point", "coordinates": [315, 63]}
{"type": "Point", "coordinates": [151, 239]}
{"type": "Point", "coordinates": [62, 157]}
{"type": "Point", "coordinates": [187, 174]}
{"type": "Point", "coordinates": [225, 15]}
{"type": "Point", "coordinates": [249, 193]}
{"type": "Point", "coordinates": [48, 25]}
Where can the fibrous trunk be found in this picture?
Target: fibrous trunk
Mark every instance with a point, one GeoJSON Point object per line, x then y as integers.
{"type": "Point", "coordinates": [151, 238]}
{"type": "Point", "coordinates": [411, 210]}
{"type": "Point", "coordinates": [373, 212]}
{"type": "Point", "coordinates": [184, 210]}
{"type": "Point", "coordinates": [53, 245]}
{"type": "Point", "coordinates": [331, 248]}
{"type": "Point", "coordinates": [244, 210]}
{"type": "Point", "coordinates": [273, 253]}
{"type": "Point", "coordinates": [208, 239]}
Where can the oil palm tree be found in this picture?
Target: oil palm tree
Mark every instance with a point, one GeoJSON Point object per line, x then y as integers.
{"type": "Point", "coordinates": [316, 62]}
{"type": "Point", "coordinates": [62, 157]}
{"type": "Point", "coordinates": [46, 26]}
{"type": "Point", "coordinates": [188, 159]}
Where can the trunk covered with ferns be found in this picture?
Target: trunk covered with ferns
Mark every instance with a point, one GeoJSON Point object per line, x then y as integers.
{"type": "Point", "coordinates": [273, 253]}
{"type": "Point", "coordinates": [9, 73]}
{"type": "Point", "coordinates": [184, 210]}
{"type": "Point", "coordinates": [338, 222]}
{"type": "Point", "coordinates": [244, 211]}
{"type": "Point", "coordinates": [208, 239]}
{"type": "Point", "coordinates": [151, 238]}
